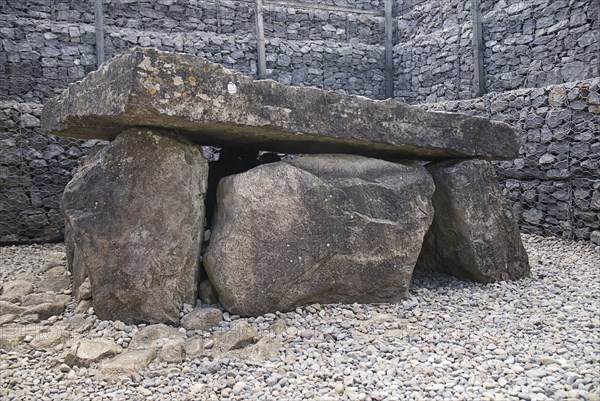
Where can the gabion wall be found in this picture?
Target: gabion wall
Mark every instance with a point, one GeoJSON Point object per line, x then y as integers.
{"type": "Point", "coordinates": [46, 45]}
{"type": "Point", "coordinates": [554, 185]}
{"type": "Point", "coordinates": [34, 170]}
{"type": "Point", "coordinates": [531, 43]}
{"type": "Point", "coordinates": [433, 55]}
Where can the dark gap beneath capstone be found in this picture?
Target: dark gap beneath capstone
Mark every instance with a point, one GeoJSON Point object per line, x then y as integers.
{"type": "Point", "coordinates": [228, 161]}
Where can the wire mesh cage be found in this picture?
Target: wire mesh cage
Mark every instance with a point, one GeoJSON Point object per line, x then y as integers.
{"type": "Point", "coordinates": [321, 45]}
{"type": "Point", "coordinates": [220, 31]}
{"type": "Point", "coordinates": [433, 51]}
{"type": "Point", "coordinates": [553, 184]}
{"type": "Point", "coordinates": [45, 48]}
{"type": "Point", "coordinates": [336, 45]}
{"type": "Point", "coordinates": [33, 173]}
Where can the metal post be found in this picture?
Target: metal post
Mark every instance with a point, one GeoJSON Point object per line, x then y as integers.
{"type": "Point", "coordinates": [99, 14]}
{"type": "Point", "coordinates": [479, 81]}
{"type": "Point", "coordinates": [389, 50]}
{"type": "Point", "coordinates": [598, 39]}
{"type": "Point", "coordinates": [260, 39]}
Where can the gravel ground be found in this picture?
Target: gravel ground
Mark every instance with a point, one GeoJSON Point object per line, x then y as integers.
{"type": "Point", "coordinates": [533, 339]}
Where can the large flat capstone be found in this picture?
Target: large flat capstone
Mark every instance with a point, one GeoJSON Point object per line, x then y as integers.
{"type": "Point", "coordinates": [212, 105]}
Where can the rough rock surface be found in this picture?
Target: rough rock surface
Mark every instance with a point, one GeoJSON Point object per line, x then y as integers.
{"type": "Point", "coordinates": [474, 234]}
{"type": "Point", "coordinates": [128, 362]}
{"type": "Point", "coordinates": [46, 310]}
{"type": "Point", "coordinates": [207, 293]}
{"type": "Point", "coordinates": [135, 214]}
{"type": "Point", "coordinates": [167, 342]}
{"type": "Point", "coordinates": [16, 290]}
{"type": "Point", "coordinates": [85, 352]}
{"type": "Point", "coordinates": [202, 319]}
{"type": "Point", "coordinates": [327, 228]}
{"type": "Point", "coordinates": [38, 292]}
{"type": "Point", "coordinates": [8, 308]}
{"type": "Point", "coordinates": [213, 105]}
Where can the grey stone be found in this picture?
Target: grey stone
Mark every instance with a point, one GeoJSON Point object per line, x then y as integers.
{"type": "Point", "coordinates": [326, 228]}
{"type": "Point", "coordinates": [595, 203]}
{"type": "Point", "coordinates": [570, 71]}
{"type": "Point", "coordinates": [207, 293]}
{"type": "Point", "coordinates": [12, 337]}
{"type": "Point", "coordinates": [241, 335]}
{"type": "Point", "coordinates": [166, 342]}
{"type": "Point", "coordinates": [205, 101]}
{"type": "Point", "coordinates": [136, 215]}
{"type": "Point", "coordinates": [202, 319]}
{"type": "Point", "coordinates": [46, 310]}
{"type": "Point", "coordinates": [8, 308]}
{"type": "Point", "coordinates": [7, 318]}
{"type": "Point", "coordinates": [153, 336]}
{"type": "Point", "coordinates": [53, 150]}
{"type": "Point", "coordinates": [16, 290]}
{"type": "Point", "coordinates": [83, 306]}
{"type": "Point", "coordinates": [130, 361]}
{"type": "Point", "coordinates": [533, 216]}
{"type": "Point", "coordinates": [53, 283]}
{"type": "Point", "coordinates": [473, 235]}
{"type": "Point", "coordinates": [194, 347]}
{"type": "Point", "coordinates": [42, 298]}
{"type": "Point", "coordinates": [85, 352]}
{"type": "Point", "coordinates": [85, 291]}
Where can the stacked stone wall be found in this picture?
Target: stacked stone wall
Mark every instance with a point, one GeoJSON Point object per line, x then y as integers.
{"type": "Point", "coordinates": [327, 49]}
{"type": "Point", "coordinates": [34, 170]}
{"type": "Point", "coordinates": [554, 184]}
{"type": "Point", "coordinates": [433, 54]}
{"type": "Point", "coordinates": [527, 44]}
{"type": "Point", "coordinates": [535, 43]}
{"type": "Point", "coordinates": [47, 47]}
{"type": "Point", "coordinates": [44, 46]}
{"type": "Point", "coordinates": [531, 43]}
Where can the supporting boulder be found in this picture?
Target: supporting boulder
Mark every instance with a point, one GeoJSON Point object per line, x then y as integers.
{"type": "Point", "coordinates": [474, 234]}
{"type": "Point", "coordinates": [135, 215]}
{"type": "Point", "coordinates": [326, 228]}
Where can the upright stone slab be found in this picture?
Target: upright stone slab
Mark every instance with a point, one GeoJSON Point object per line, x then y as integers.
{"type": "Point", "coordinates": [323, 228]}
{"type": "Point", "coordinates": [474, 234]}
{"type": "Point", "coordinates": [135, 215]}
{"type": "Point", "coordinates": [215, 106]}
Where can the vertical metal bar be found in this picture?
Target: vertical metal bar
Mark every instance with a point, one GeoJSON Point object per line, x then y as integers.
{"type": "Point", "coordinates": [99, 14]}
{"type": "Point", "coordinates": [218, 10]}
{"type": "Point", "coordinates": [389, 50]}
{"type": "Point", "coordinates": [457, 63]}
{"type": "Point", "coordinates": [260, 39]}
{"type": "Point", "coordinates": [479, 78]}
{"type": "Point", "coordinates": [598, 40]}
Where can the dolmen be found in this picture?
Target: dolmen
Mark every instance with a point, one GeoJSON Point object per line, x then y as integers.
{"type": "Point", "coordinates": [382, 188]}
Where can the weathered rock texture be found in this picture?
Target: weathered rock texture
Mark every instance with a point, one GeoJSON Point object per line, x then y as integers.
{"type": "Point", "coordinates": [136, 214]}
{"type": "Point", "coordinates": [214, 105]}
{"type": "Point", "coordinates": [473, 235]}
{"type": "Point", "coordinates": [202, 319]}
{"type": "Point", "coordinates": [327, 228]}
